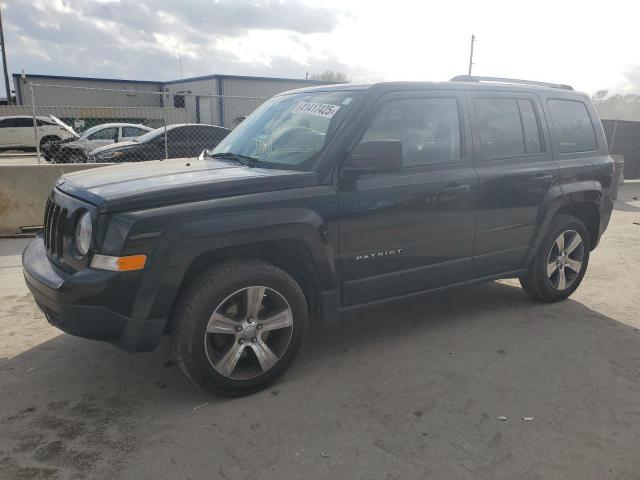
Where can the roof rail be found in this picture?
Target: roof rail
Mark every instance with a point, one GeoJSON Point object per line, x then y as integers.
{"type": "Point", "coordinates": [473, 78]}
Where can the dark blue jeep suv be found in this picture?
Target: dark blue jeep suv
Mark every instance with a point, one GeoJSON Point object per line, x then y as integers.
{"type": "Point", "coordinates": [325, 200]}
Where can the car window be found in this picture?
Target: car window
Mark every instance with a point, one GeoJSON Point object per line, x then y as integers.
{"type": "Point", "coordinates": [179, 134]}
{"type": "Point", "coordinates": [132, 131]}
{"type": "Point", "coordinates": [213, 135]}
{"type": "Point", "coordinates": [110, 133]}
{"type": "Point", "coordinates": [23, 122]}
{"type": "Point", "coordinates": [428, 128]}
{"type": "Point", "coordinates": [501, 133]}
{"type": "Point", "coordinates": [290, 130]}
{"type": "Point", "coordinates": [530, 126]}
{"type": "Point", "coordinates": [574, 130]}
{"type": "Point", "coordinates": [41, 123]}
{"type": "Point", "coordinates": [5, 123]}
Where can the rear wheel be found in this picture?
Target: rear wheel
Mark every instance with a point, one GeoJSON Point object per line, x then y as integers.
{"type": "Point", "coordinates": [561, 262]}
{"type": "Point", "coordinates": [238, 327]}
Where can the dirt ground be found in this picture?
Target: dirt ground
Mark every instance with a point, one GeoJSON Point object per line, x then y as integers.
{"type": "Point", "coordinates": [409, 390]}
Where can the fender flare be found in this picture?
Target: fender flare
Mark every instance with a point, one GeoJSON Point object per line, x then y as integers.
{"type": "Point", "coordinates": [558, 197]}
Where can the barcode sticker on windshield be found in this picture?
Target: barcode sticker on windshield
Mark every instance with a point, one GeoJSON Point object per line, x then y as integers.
{"type": "Point", "coordinates": [324, 110]}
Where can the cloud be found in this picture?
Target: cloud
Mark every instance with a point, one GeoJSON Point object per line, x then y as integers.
{"type": "Point", "coordinates": [141, 39]}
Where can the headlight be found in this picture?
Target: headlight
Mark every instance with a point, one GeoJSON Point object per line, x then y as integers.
{"type": "Point", "coordinates": [84, 231]}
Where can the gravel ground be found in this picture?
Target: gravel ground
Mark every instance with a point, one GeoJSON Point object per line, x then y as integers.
{"type": "Point", "coordinates": [438, 387]}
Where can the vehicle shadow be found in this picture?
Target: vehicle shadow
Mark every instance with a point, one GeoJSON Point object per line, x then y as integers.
{"type": "Point", "coordinates": [442, 367]}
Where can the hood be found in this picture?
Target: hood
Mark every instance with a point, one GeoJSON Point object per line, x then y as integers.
{"type": "Point", "coordinates": [132, 186]}
{"type": "Point", "coordinates": [114, 146]}
{"type": "Point", "coordinates": [64, 125]}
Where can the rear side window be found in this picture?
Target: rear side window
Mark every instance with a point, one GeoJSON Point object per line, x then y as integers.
{"type": "Point", "coordinates": [573, 128]}
{"type": "Point", "coordinates": [530, 126]}
{"type": "Point", "coordinates": [132, 132]}
{"type": "Point", "coordinates": [508, 127]}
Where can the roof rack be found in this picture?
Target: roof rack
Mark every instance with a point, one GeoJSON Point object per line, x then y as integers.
{"type": "Point", "coordinates": [473, 78]}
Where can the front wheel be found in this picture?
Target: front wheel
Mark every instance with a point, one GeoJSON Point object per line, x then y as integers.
{"type": "Point", "coordinates": [238, 327]}
{"type": "Point", "coordinates": [561, 262]}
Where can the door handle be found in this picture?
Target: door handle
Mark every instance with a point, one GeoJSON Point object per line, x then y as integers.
{"type": "Point", "coordinates": [456, 188]}
{"type": "Point", "coordinates": [542, 178]}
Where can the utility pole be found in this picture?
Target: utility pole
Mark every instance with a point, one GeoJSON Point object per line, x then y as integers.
{"type": "Point", "coordinates": [473, 40]}
{"type": "Point", "coordinates": [4, 62]}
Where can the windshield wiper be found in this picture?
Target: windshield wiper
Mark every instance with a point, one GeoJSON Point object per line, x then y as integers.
{"type": "Point", "coordinates": [242, 159]}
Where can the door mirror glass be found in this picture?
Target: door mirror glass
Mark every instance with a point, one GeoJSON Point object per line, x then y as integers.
{"type": "Point", "coordinates": [377, 156]}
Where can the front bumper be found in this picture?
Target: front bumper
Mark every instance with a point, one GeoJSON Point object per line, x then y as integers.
{"type": "Point", "coordinates": [82, 303]}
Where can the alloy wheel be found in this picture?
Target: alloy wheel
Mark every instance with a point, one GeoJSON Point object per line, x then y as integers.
{"type": "Point", "coordinates": [565, 260]}
{"type": "Point", "coordinates": [248, 332]}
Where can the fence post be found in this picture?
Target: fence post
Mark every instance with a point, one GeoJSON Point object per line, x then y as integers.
{"type": "Point", "coordinates": [164, 110]}
{"type": "Point", "coordinates": [35, 124]}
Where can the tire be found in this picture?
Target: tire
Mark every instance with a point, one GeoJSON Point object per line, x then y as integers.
{"type": "Point", "coordinates": [205, 337]}
{"type": "Point", "coordinates": [551, 275]}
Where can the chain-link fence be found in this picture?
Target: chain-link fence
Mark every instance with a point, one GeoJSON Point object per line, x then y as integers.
{"type": "Point", "coordinates": [67, 124]}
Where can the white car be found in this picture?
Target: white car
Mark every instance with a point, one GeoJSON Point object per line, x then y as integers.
{"type": "Point", "coordinates": [76, 149]}
{"type": "Point", "coordinates": [16, 132]}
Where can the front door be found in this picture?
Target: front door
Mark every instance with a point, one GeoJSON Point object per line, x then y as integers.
{"type": "Point", "coordinates": [412, 230]}
{"type": "Point", "coordinates": [516, 171]}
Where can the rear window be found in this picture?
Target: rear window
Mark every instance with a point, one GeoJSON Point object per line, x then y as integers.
{"type": "Point", "coordinates": [508, 127]}
{"type": "Point", "coordinates": [574, 131]}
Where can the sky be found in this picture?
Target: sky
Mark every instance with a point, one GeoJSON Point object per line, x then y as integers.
{"type": "Point", "coordinates": [590, 46]}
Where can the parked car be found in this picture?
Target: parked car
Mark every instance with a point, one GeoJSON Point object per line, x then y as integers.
{"type": "Point", "coordinates": [17, 133]}
{"type": "Point", "coordinates": [326, 200]}
{"type": "Point", "coordinates": [76, 149]}
{"type": "Point", "coordinates": [183, 140]}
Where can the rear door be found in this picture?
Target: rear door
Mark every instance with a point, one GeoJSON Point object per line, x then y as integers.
{"type": "Point", "coordinates": [411, 230]}
{"type": "Point", "coordinates": [516, 171]}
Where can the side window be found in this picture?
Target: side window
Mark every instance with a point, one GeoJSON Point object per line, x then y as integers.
{"type": "Point", "coordinates": [6, 123]}
{"type": "Point", "coordinates": [177, 134]}
{"type": "Point", "coordinates": [508, 127]}
{"type": "Point", "coordinates": [131, 132]}
{"type": "Point", "coordinates": [530, 126]}
{"type": "Point", "coordinates": [42, 123]}
{"type": "Point", "coordinates": [105, 134]}
{"type": "Point", "coordinates": [428, 128]}
{"type": "Point", "coordinates": [24, 122]}
{"type": "Point", "coordinates": [573, 128]}
{"type": "Point", "coordinates": [500, 128]}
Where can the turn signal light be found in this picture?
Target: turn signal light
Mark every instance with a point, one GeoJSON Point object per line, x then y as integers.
{"type": "Point", "coordinates": [119, 264]}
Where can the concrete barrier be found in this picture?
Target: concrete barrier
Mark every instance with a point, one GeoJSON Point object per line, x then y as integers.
{"type": "Point", "coordinates": [23, 194]}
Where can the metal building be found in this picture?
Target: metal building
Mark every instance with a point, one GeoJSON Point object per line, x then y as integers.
{"type": "Point", "coordinates": [214, 99]}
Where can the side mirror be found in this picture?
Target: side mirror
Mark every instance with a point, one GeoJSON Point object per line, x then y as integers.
{"type": "Point", "coordinates": [378, 156]}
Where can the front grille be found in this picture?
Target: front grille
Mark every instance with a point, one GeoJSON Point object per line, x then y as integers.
{"type": "Point", "coordinates": [54, 222]}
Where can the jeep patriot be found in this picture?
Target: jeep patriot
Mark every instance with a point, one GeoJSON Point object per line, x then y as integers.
{"type": "Point", "coordinates": [325, 200]}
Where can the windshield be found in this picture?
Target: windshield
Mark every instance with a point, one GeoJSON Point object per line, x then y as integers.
{"type": "Point", "coordinates": [290, 130]}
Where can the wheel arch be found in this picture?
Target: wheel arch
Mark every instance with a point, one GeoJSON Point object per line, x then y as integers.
{"type": "Point", "coordinates": [581, 200]}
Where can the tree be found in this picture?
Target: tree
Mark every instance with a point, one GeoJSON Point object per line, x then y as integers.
{"type": "Point", "coordinates": [600, 95]}
{"type": "Point", "coordinates": [330, 76]}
